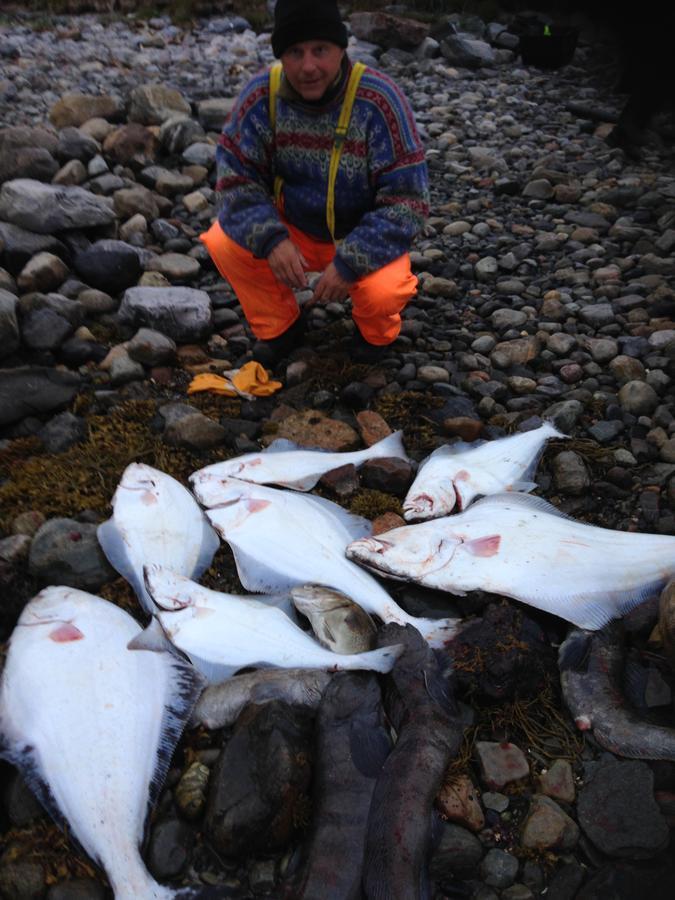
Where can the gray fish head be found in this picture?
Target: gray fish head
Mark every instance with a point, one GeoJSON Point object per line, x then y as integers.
{"type": "Point", "coordinates": [312, 597]}
{"type": "Point", "coordinates": [410, 553]}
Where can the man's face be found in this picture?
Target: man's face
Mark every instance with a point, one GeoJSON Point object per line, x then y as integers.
{"type": "Point", "coordinates": [311, 67]}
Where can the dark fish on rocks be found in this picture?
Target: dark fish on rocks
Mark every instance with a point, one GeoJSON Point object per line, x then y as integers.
{"type": "Point", "coordinates": [429, 731]}
{"type": "Point", "coordinates": [220, 704]}
{"type": "Point", "coordinates": [351, 746]}
{"type": "Point", "coordinates": [667, 622]}
{"type": "Point", "coordinates": [337, 621]}
{"type": "Point", "coordinates": [92, 726]}
{"type": "Point", "coordinates": [591, 667]}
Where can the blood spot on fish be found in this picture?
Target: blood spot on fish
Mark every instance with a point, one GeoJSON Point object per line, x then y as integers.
{"type": "Point", "coordinates": [255, 506]}
{"type": "Point", "coordinates": [485, 546]}
{"type": "Point", "coordinates": [148, 498]}
{"type": "Point", "coordinates": [583, 723]}
{"type": "Point", "coordinates": [462, 475]}
{"type": "Point", "coordinates": [65, 633]}
{"type": "Point", "coordinates": [75, 535]}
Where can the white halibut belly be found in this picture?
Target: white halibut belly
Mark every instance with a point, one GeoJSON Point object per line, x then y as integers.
{"type": "Point", "coordinates": [91, 724]}
{"type": "Point", "coordinates": [544, 556]}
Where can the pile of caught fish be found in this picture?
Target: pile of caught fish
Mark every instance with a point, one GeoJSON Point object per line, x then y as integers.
{"type": "Point", "coordinates": [110, 691]}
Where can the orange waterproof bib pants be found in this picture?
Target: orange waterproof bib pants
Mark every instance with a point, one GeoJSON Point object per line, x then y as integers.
{"type": "Point", "coordinates": [271, 308]}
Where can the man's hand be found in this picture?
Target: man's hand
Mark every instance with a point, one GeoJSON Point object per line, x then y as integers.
{"type": "Point", "coordinates": [331, 286]}
{"type": "Point", "coordinates": [288, 264]}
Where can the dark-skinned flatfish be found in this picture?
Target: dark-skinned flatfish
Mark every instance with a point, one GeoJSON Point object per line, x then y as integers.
{"type": "Point", "coordinates": [92, 726]}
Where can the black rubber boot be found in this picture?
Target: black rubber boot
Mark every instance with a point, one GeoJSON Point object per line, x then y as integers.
{"type": "Point", "coordinates": [270, 353]}
{"type": "Point", "coordinates": [362, 351]}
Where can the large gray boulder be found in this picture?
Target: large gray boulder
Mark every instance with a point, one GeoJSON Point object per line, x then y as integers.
{"type": "Point", "coordinates": [9, 324]}
{"type": "Point", "coordinates": [46, 208]}
{"type": "Point", "coordinates": [32, 390]}
{"type": "Point", "coordinates": [183, 314]}
{"type": "Point", "coordinates": [467, 52]}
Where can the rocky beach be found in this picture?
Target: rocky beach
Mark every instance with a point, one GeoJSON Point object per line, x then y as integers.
{"type": "Point", "coordinates": [546, 293]}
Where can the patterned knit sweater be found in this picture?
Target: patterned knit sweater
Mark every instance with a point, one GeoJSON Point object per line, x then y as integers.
{"type": "Point", "coordinates": [381, 192]}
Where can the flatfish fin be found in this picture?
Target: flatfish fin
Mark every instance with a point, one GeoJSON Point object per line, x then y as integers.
{"type": "Point", "coordinates": [443, 450]}
{"type": "Point", "coordinates": [25, 761]}
{"type": "Point", "coordinates": [187, 684]}
{"type": "Point", "coordinates": [280, 600]}
{"type": "Point", "coordinates": [533, 504]}
{"type": "Point", "coordinates": [112, 544]}
{"type": "Point", "coordinates": [209, 546]}
{"type": "Point", "coordinates": [356, 526]}
{"type": "Point", "coordinates": [369, 747]}
{"type": "Point", "coordinates": [283, 445]}
{"type": "Point", "coordinates": [522, 486]}
{"type": "Point", "coordinates": [592, 611]}
{"type": "Point", "coordinates": [575, 651]}
{"type": "Point", "coordinates": [255, 576]}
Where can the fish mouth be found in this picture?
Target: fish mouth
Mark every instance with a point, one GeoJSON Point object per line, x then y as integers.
{"type": "Point", "coordinates": [170, 602]}
{"type": "Point", "coordinates": [372, 548]}
{"type": "Point", "coordinates": [419, 507]}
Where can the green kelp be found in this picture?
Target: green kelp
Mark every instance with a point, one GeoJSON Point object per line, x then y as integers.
{"type": "Point", "coordinates": [409, 411]}
{"type": "Point", "coordinates": [85, 476]}
{"type": "Point", "coordinates": [370, 504]}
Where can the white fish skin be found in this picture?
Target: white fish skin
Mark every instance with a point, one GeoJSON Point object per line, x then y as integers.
{"type": "Point", "coordinates": [287, 465]}
{"type": "Point", "coordinates": [92, 726]}
{"type": "Point", "coordinates": [281, 539]}
{"type": "Point", "coordinates": [222, 633]}
{"type": "Point", "coordinates": [155, 520]}
{"type": "Point", "coordinates": [522, 547]}
{"type": "Point", "coordinates": [455, 474]}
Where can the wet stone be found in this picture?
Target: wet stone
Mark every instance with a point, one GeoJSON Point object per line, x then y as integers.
{"type": "Point", "coordinates": [558, 781]}
{"type": "Point", "coordinates": [622, 792]}
{"type": "Point", "coordinates": [391, 475]}
{"type": "Point", "coordinates": [261, 775]}
{"type": "Point", "coordinates": [67, 552]}
{"type": "Point", "coordinates": [63, 431]}
{"type": "Point", "coordinates": [501, 763]}
{"type": "Point", "coordinates": [548, 827]}
{"type": "Point", "coordinates": [171, 842]}
{"type": "Point", "coordinates": [458, 802]}
{"type": "Point", "coordinates": [77, 889]}
{"type": "Point", "coordinates": [570, 473]}
{"type": "Point", "coordinates": [458, 853]}
{"type": "Point", "coordinates": [565, 881]}
{"type": "Point", "coordinates": [499, 868]}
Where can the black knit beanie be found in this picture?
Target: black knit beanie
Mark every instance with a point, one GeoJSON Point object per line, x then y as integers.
{"type": "Point", "coordinates": [306, 20]}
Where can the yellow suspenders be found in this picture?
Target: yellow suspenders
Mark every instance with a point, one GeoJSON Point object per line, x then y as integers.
{"type": "Point", "coordinates": [338, 141]}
